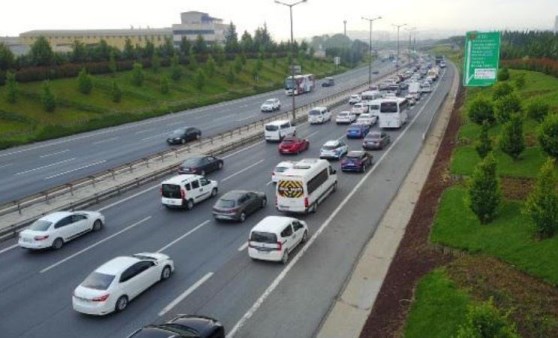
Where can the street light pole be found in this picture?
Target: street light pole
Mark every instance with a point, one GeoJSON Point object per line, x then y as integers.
{"type": "Point", "coordinates": [398, 26]}
{"type": "Point", "coordinates": [410, 30]}
{"type": "Point", "coordinates": [292, 48]}
{"type": "Point", "coordinates": [370, 47]}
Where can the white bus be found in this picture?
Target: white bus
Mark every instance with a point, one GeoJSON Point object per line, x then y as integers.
{"type": "Point", "coordinates": [393, 112]}
{"type": "Point", "coordinates": [301, 188]}
{"type": "Point", "coordinates": [301, 84]}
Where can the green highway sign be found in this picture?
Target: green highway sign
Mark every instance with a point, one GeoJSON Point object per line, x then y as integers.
{"type": "Point", "coordinates": [482, 56]}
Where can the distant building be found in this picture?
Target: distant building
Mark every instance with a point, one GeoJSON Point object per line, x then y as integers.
{"type": "Point", "coordinates": [15, 45]}
{"type": "Point", "coordinates": [197, 23]}
{"type": "Point", "coordinates": [556, 24]}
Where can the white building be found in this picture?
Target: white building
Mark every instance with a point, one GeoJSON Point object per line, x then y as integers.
{"type": "Point", "coordinates": [197, 23]}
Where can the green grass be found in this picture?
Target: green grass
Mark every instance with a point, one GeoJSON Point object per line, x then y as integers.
{"type": "Point", "coordinates": [26, 121]}
{"type": "Point", "coordinates": [439, 307]}
{"type": "Point", "coordinates": [509, 237]}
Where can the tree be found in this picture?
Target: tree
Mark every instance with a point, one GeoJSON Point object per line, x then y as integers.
{"type": "Point", "coordinates": [176, 70]}
{"type": "Point", "coordinates": [85, 84]}
{"type": "Point", "coordinates": [155, 63]}
{"type": "Point", "coordinates": [484, 144]}
{"type": "Point", "coordinates": [184, 46]}
{"type": "Point", "coordinates": [548, 135]}
{"type": "Point", "coordinates": [503, 74]}
{"type": "Point", "coordinates": [231, 76]}
{"type": "Point", "coordinates": [166, 50]}
{"type": "Point", "coordinates": [79, 52]}
{"type": "Point", "coordinates": [512, 141]}
{"type": "Point", "coordinates": [238, 64]}
{"type": "Point", "coordinates": [273, 61]}
{"type": "Point", "coordinates": [102, 51]}
{"type": "Point", "coordinates": [41, 53]}
{"type": "Point", "coordinates": [519, 81]}
{"type": "Point", "coordinates": [148, 49]}
{"type": "Point", "coordinates": [47, 98]}
{"type": "Point", "coordinates": [255, 73]}
{"type": "Point", "coordinates": [501, 89]}
{"type": "Point", "coordinates": [7, 58]}
{"type": "Point", "coordinates": [112, 63]}
{"type": "Point", "coordinates": [219, 53]}
{"type": "Point", "coordinates": [116, 92]}
{"type": "Point", "coordinates": [481, 110]}
{"type": "Point", "coordinates": [164, 85]}
{"type": "Point", "coordinates": [200, 47]}
{"type": "Point", "coordinates": [193, 59]}
{"type": "Point", "coordinates": [200, 79]}
{"type": "Point", "coordinates": [484, 190]}
{"type": "Point", "coordinates": [129, 52]}
{"type": "Point", "coordinates": [246, 42]}
{"type": "Point", "coordinates": [542, 202]}
{"type": "Point", "coordinates": [505, 106]}
{"type": "Point", "coordinates": [259, 65]}
{"type": "Point", "coordinates": [538, 110]}
{"type": "Point", "coordinates": [486, 321]}
{"type": "Point", "coordinates": [137, 74]}
{"type": "Point", "coordinates": [210, 67]}
{"type": "Point", "coordinates": [11, 87]}
{"type": "Point", "coordinates": [231, 39]}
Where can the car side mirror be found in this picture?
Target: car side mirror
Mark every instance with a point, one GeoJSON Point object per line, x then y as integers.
{"type": "Point", "coordinates": [333, 171]}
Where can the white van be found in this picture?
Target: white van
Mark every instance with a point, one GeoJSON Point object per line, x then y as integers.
{"type": "Point", "coordinates": [183, 191]}
{"type": "Point", "coordinates": [274, 237]}
{"type": "Point", "coordinates": [304, 186]}
{"type": "Point", "coordinates": [277, 130]}
{"type": "Point", "coordinates": [374, 107]}
{"type": "Point", "coordinates": [319, 115]}
{"type": "Point", "coordinates": [370, 95]}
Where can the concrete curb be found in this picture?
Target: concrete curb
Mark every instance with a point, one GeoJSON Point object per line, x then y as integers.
{"type": "Point", "coordinates": [349, 313]}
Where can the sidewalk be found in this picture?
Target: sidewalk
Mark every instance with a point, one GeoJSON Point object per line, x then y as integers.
{"type": "Point", "coordinates": [349, 313]}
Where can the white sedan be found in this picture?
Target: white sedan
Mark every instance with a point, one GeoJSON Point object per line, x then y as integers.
{"type": "Point", "coordinates": [367, 118]}
{"type": "Point", "coordinates": [271, 105]}
{"type": "Point", "coordinates": [53, 230]}
{"type": "Point", "coordinates": [345, 117]}
{"type": "Point", "coordinates": [114, 284]}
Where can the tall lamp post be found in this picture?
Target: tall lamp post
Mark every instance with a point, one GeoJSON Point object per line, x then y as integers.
{"type": "Point", "coordinates": [398, 26]}
{"type": "Point", "coordinates": [292, 47]}
{"type": "Point", "coordinates": [370, 46]}
{"type": "Point", "coordinates": [410, 30]}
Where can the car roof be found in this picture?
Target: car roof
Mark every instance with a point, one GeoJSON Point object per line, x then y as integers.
{"type": "Point", "coordinates": [117, 265]}
{"type": "Point", "coordinates": [285, 164]}
{"type": "Point", "coordinates": [234, 194]}
{"type": "Point", "coordinates": [178, 179]}
{"type": "Point", "coordinates": [270, 223]}
{"type": "Point", "coordinates": [278, 122]}
{"type": "Point", "coordinates": [331, 143]}
{"type": "Point", "coordinates": [356, 153]}
{"type": "Point", "coordinates": [56, 216]}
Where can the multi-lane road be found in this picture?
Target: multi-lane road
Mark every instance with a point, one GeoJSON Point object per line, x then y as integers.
{"type": "Point", "coordinates": [214, 275]}
{"type": "Point", "coordinates": [34, 168]}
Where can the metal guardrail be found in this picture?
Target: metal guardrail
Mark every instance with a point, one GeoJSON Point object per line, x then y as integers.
{"type": "Point", "coordinates": [48, 195]}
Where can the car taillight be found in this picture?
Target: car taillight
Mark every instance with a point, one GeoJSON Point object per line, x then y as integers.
{"type": "Point", "coordinates": [40, 238]}
{"type": "Point", "coordinates": [182, 194]}
{"type": "Point", "coordinates": [101, 298]}
{"type": "Point", "coordinates": [306, 202]}
{"type": "Point", "coordinates": [279, 246]}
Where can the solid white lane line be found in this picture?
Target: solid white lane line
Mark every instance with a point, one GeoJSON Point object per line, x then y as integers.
{"type": "Point", "coordinates": [105, 140]}
{"type": "Point", "coordinates": [128, 198]}
{"type": "Point", "coordinates": [154, 136]}
{"type": "Point", "coordinates": [94, 245]}
{"type": "Point", "coordinates": [243, 149]}
{"type": "Point", "coordinates": [312, 239]}
{"type": "Point", "coordinates": [143, 131]}
{"type": "Point", "coordinates": [8, 248]}
{"type": "Point", "coordinates": [183, 236]}
{"type": "Point", "coordinates": [175, 123]}
{"type": "Point", "coordinates": [314, 133]}
{"type": "Point", "coordinates": [241, 171]}
{"type": "Point", "coordinates": [243, 246]}
{"type": "Point", "coordinates": [45, 166]}
{"type": "Point", "coordinates": [56, 153]}
{"type": "Point", "coordinates": [76, 169]}
{"type": "Point", "coordinates": [246, 118]}
{"type": "Point", "coordinates": [185, 294]}
{"type": "Point", "coordinates": [270, 182]}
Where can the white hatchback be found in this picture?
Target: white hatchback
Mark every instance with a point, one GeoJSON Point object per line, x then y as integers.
{"type": "Point", "coordinates": [367, 118]}
{"type": "Point", "coordinates": [345, 117]}
{"type": "Point", "coordinates": [114, 284]}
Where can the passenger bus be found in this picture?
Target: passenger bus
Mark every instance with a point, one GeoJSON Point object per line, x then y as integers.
{"type": "Point", "coordinates": [300, 85]}
{"type": "Point", "coordinates": [393, 112]}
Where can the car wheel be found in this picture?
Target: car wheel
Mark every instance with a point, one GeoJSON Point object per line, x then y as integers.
{"type": "Point", "coordinates": [242, 217]}
{"type": "Point", "coordinates": [189, 204]}
{"type": "Point", "coordinates": [58, 243]}
{"type": "Point", "coordinates": [314, 208]}
{"type": "Point", "coordinates": [198, 136]}
{"type": "Point", "coordinates": [334, 189]}
{"type": "Point", "coordinates": [121, 304]}
{"type": "Point", "coordinates": [98, 225]}
{"type": "Point", "coordinates": [363, 168]}
{"type": "Point", "coordinates": [285, 258]}
{"type": "Point", "coordinates": [166, 273]}
{"type": "Point", "coordinates": [220, 166]}
{"type": "Point", "coordinates": [305, 237]}
{"type": "Point", "coordinates": [214, 192]}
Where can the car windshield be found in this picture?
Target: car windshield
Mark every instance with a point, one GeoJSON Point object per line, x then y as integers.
{"type": "Point", "coordinates": [271, 127]}
{"type": "Point", "coordinates": [314, 112]}
{"type": "Point", "coordinates": [330, 147]}
{"type": "Point", "coordinates": [289, 83]}
{"type": "Point", "coordinates": [98, 281]}
{"type": "Point", "coordinates": [288, 141]}
{"type": "Point", "coordinates": [40, 225]}
{"type": "Point", "coordinates": [388, 107]}
{"type": "Point", "coordinates": [269, 102]}
{"type": "Point", "coordinates": [352, 158]}
{"type": "Point", "coordinates": [225, 203]}
{"type": "Point", "coordinates": [191, 162]}
{"type": "Point", "coordinates": [374, 136]}
{"type": "Point", "coordinates": [263, 237]}
{"type": "Point", "coordinates": [343, 114]}
{"type": "Point", "coordinates": [171, 191]}
{"type": "Point", "coordinates": [281, 169]}
{"type": "Point", "coordinates": [179, 329]}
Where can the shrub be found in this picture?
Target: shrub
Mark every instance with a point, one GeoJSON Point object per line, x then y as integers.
{"type": "Point", "coordinates": [538, 110]}
{"type": "Point", "coordinates": [505, 106]}
{"type": "Point", "coordinates": [164, 85]}
{"type": "Point", "coordinates": [512, 141]}
{"type": "Point", "coordinates": [481, 110]}
{"type": "Point", "coordinates": [200, 79]}
{"type": "Point", "coordinates": [484, 144]}
{"type": "Point", "coordinates": [501, 89]}
{"type": "Point", "coordinates": [231, 76]}
{"type": "Point", "coordinates": [176, 70]}
{"type": "Point", "coordinates": [210, 67]}
{"type": "Point", "coordinates": [137, 75]}
{"type": "Point", "coordinates": [548, 135]}
{"type": "Point", "coordinates": [485, 320]}
{"type": "Point", "coordinates": [542, 203]}
{"type": "Point", "coordinates": [484, 190]}
{"type": "Point", "coordinates": [11, 87]}
{"type": "Point", "coordinates": [47, 98]}
{"type": "Point", "coordinates": [503, 74]}
{"type": "Point", "coordinates": [116, 92]}
{"type": "Point", "coordinates": [85, 84]}
{"type": "Point", "coordinates": [519, 81]}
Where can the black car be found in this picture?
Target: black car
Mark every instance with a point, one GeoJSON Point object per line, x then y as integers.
{"type": "Point", "coordinates": [183, 326]}
{"type": "Point", "coordinates": [328, 82]}
{"type": "Point", "coordinates": [200, 164]}
{"type": "Point", "coordinates": [237, 204]}
{"type": "Point", "coordinates": [375, 72]}
{"type": "Point", "coordinates": [376, 140]}
{"type": "Point", "coordinates": [183, 135]}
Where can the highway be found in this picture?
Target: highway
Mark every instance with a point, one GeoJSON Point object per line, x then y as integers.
{"type": "Point", "coordinates": [34, 168]}
{"type": "Point", "coordinates": [214, 275]}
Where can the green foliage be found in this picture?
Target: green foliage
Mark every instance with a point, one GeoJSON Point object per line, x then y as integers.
{"type": "Point", "coordinates": [164, 85]}
{"type": "Point", "coordinates": [238, 65]}
{"type": "Point", "coordinates": [210, 67]}
{"type": "Point", "coordinates": [85, 84]}
{"type": "Point", "coordinates": [484, 190]}
{"type": "Point", "coordinates": [485, 321]}
{"type": "Point", "coordinates": [6, 57]}
{"type": "Point", "coordinates": [481, 110]}
{"type": "Point", "coordinates": [538, 110]}
{"type": "Point", "coordinates": [259, 65]}
{"type": "Point", "coordinates": [505, 106]}
{"type": "Point", "coordinates": [200, 46]}
{"type": "Point", "coordinates": [548, 135]}
{"type": "Point", "coordinates": [47, 98]}
{"type": "Point", "coordinates": [503, 74]}
{"type": "Point", "coordinates": [542, 204]}
{"type": "Point", "coordinates": [193, 60]}
{"type": "Point", "coordinates": [243, 59]}
{"type": "Point", "coordinates": [155, 63]}
{"type": "Point", "coordinates": [231, 76]}
{"type": "Point", "coordinates": [273, 61]}
{"type": "Point", "coordinates": [41, 54]}
{"type": "Point", "coordinates": [231, 39]}
{"type": "Point", "coordinates": [511, 140]}
{"type": "Point", "coordinates": [112, 63]}
{"type": "Point", "coordinates": [129, 52]}
{"type": "Point", "coordinates": [137, 74]}
{"type": "Point", "coordinates": [185, 46]}
{"type": "Point", "coordinates": [176, 70]}
{"type": "Point", "coordinates": [11, 87]}
{"type": "Point", "coordinates": [519, 81]}
{"type": "Point", "coordinates": [115, 92]}
{"type": "Point", "coordinates": [501, 89]}
{"type": "Point", "coordinates": [483, 145]}
{"type": "Point", "coordinates": [200, 79]}
{"type": "Point", "coordinates": [254, 72]}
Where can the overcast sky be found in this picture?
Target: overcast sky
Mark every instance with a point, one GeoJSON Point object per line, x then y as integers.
{"type": "Point", "coordinates": [315, 17]}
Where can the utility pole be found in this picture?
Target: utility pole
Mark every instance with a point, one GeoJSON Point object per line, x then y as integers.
{"type": "Point", "coordinates": [345, 27]}
{"type": "Point", "coordinates": [370, 48]}
{"type": "Point", "coordinates": [410, 30]}
{"type": "Point", "coordinates": [398, 27]}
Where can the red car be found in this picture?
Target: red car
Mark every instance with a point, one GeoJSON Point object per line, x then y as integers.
{"type": "Point", "coordinates": [293, 145]}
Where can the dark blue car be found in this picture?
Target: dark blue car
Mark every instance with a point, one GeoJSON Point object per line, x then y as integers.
{"type": "Point", "coordinates": [357, 160]}
{"type": "Point", "coordinates": [358, 131]}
